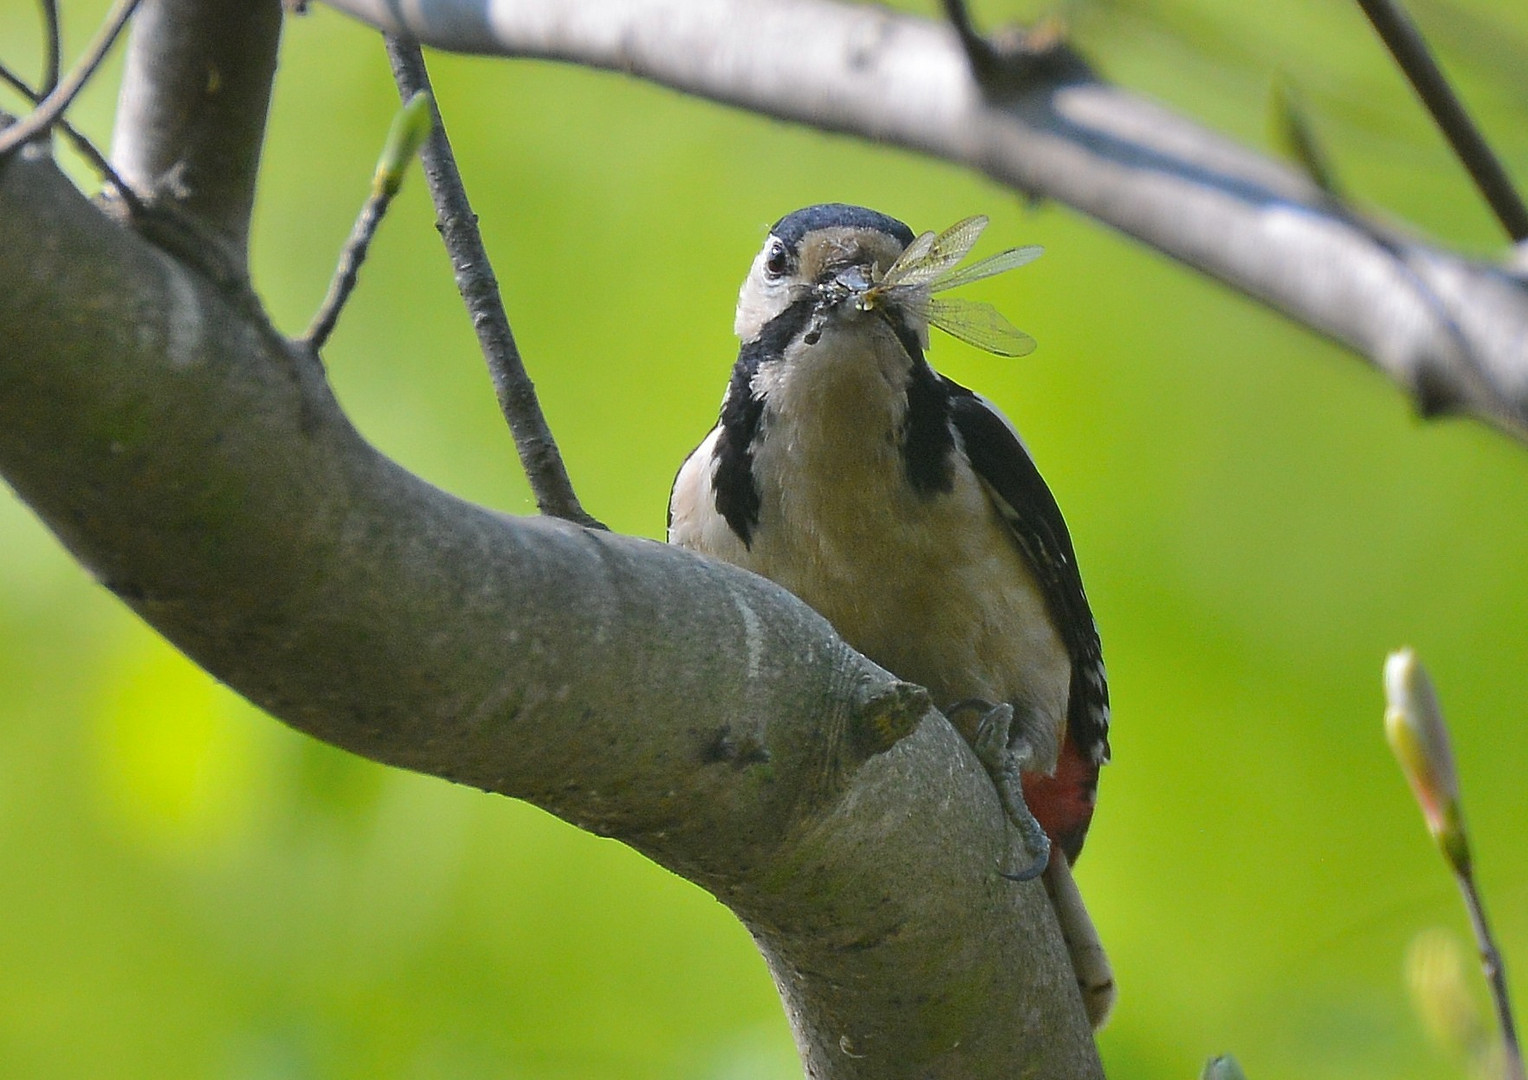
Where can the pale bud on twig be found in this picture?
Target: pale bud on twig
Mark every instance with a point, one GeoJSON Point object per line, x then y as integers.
{"type": "Point", "coordinates": [1222, 1067]}
{"type": "Point", "coordinates": [1414, 725]}
{"type": "Point", "coordinates": [411, 126]}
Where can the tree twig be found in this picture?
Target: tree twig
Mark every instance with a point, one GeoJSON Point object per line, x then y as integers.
{"type": "Point", "coordinates": [53, 106]}
{"type": "Point", "coordinates": [1017, 57]}
{"type": "Point", "coordinates": [1410, 51]}
{"type": "Point", "coordinates": [409, 129]}
{"type": "Point", "coordinates": [1417, 733]}
{"type": "Point", "coordinates": [978, 50]}
{"type": "Point", "coordinates": [1293, 129]}
{"type": "Point", "coordinates": [86, 148]}
{"type": "Point", "coordinates": [53, 54]}
{"type": "Point", "coordinates": [1495, 971]}
{"type": "Point", "coordinates": [475, 279]}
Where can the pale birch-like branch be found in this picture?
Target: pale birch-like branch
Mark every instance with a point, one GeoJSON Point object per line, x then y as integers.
{"type": "Point", "coordinates": [1451, 330]}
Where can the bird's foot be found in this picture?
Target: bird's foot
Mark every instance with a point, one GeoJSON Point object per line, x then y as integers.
{"type": "Point", "coordinates": [1004, 760]}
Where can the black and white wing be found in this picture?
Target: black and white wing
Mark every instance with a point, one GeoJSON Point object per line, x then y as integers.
{"type": "Point", "coordinates": [1029, 509]}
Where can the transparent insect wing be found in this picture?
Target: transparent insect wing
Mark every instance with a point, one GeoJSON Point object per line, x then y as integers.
{"type": "Point", "coordinates": [978, 323]}
{"type": "Point", "coordinates": [911, 254]}
{"type": "Point", "coordinates": [991, 266]}
{"type": "Point", "coordinates": [936, 256]}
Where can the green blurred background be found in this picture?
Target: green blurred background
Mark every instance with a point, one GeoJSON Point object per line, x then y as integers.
{"type": "Point", "coordinates": [188, 889]}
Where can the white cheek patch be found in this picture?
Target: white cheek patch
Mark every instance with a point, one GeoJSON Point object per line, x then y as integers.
{"type": "Point", "coordinates": [761, 299]}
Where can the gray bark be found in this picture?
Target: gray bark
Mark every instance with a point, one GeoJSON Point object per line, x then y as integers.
{"type": "Point", "coordinates": [192, 108]}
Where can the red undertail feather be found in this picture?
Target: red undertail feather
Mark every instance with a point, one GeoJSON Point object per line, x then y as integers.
{"type": "Point", "coordinates": [1063, 803]}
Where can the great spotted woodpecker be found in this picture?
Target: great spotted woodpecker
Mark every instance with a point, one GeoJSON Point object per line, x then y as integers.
{"type": "Point", "coordinates": [906, 510]}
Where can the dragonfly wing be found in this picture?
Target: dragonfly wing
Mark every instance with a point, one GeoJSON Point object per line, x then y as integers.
{"type": "Point", "coordinates": [941, 253]}
{"type": "Point", "coordinates": [980, 324]}
{"type": "Point", "coordinates": [984, 268]}
{"type": "Point", "coordinates": [912, 254]}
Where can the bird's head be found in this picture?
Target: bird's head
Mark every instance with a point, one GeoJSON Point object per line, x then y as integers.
{"type": "Point", "coordinates": [825, 255]}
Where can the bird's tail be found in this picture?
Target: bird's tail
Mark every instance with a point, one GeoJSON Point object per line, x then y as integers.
{"type": "Point", "coordinates": [1095, 978]}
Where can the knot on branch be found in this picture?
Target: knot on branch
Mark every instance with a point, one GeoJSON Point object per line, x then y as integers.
{"type": "Point", "coordinates": [886, 716]}
{"type": "Point", "coordinates": [1016, 58]}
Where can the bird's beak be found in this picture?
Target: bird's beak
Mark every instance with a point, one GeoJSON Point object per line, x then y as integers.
{"type": "Point", "coordinates": [853, 279]}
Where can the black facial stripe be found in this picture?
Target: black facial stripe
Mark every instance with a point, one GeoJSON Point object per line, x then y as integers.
{"type": "Point", "coordinates": [792, 227]}
{"type": "Point", "coordinates": [928, 446]}
{"type": "Point", "coordinates": [737, 494]}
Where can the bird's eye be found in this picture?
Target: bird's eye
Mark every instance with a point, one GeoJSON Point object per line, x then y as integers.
{"type": "Point", "coordinates": [777, 260]}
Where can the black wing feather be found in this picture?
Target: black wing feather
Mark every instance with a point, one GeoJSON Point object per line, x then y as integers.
{"type": "Point", "coordinates": [1032, 516]}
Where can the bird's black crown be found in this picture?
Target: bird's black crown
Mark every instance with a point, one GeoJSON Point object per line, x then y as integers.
{"type": "Point", "coordinates": [792, 227]}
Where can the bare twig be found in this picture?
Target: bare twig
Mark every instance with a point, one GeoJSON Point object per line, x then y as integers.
{"type": "Point", "coordinates": [53, 106]}
{"type": "Point", "coordinates": [52, 57]}
{"type": "Point", "coordinates": [1407, 45]}
{"type": "Point", "coordinates": [1293, 129]}
{"type": "Point", "coordinates": [348, 271]}
{"type": "Point", "coordinates": [1495, 971]}
{"type": "Point", "coordinates": [1016, 57]}
{"type": "Point", "coordinates": [86, 148]}
{"type": "Point", "coordinates": [479, 287]}
{"type": "Point", "coordinates": [409, 129]}
{"type": "Point", "coordinates": [980, 52]}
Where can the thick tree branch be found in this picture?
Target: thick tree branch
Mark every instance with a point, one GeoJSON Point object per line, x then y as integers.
{"type": "Point", "coordinates": [1452, 331]}
{"type": "Point", "coordinates": [192, 108]}
{"type": "Point", "coordinates": [197, 464]}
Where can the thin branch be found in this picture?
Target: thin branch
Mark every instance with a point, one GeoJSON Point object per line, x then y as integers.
{"type": "Point", "coordinates": [1295, 132]}
{"type": "Point", "coordinates": [1419, 736]}
{"type": "Point", "coordinates": [1448, 329]}
{"type": "Point", "coordinates": [980, 52]}
{"type": "Point", "coordinates": [63, 95]}
{"type": "Point", "coordinates": [53, 48]}
{"type": "Point", "coordinates": [1495, 971]}
{"type": "Point", "coordinates": [409, 129]}
{"type": "Point", "coordinates": [86, 148]}
{"type": "Point", "coordinates": [347, 272]}
{"type": "Point", "coordinates": [479, 287]}
{"type": "Point", "coordinates": [1410, 50]}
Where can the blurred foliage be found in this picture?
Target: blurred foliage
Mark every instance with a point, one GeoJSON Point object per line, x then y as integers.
{"type": "Point", "coordinates": [188, 889]}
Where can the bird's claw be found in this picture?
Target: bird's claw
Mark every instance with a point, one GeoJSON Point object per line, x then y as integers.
{"type": "Point", "coordinates": [1004, 763]}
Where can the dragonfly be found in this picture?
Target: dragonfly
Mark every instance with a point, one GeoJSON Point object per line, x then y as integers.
{"type": "Point", "coordinates": [929, 265]}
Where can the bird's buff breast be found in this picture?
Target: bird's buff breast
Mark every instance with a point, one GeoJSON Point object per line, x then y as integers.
{"type": "Point", "coordinates": [931, 587]}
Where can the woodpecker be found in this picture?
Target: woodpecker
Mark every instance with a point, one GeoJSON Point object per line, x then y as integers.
{"type": "Point", "coordinates": [906, 510]}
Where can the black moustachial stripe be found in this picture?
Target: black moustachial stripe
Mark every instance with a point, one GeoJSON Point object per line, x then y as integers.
{"type": "Point", "coordinates": [1034, 520]}
{"type": "Point", "coordinates": [737, 494]}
